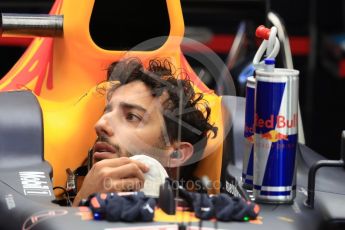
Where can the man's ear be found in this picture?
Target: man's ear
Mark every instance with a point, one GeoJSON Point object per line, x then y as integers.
{"type": "Point", "coordinates": [181, 154]}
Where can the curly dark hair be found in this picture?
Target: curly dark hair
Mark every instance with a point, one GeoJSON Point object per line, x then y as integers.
{"type": "Point", "coordinates": [160, 77]}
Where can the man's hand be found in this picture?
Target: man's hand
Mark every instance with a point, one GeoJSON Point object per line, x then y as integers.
{"type": "Point", "coordinates": [112, 175]}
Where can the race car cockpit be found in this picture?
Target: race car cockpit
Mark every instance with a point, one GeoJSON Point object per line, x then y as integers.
{"type": "Point", "coordinates": [50, 102]}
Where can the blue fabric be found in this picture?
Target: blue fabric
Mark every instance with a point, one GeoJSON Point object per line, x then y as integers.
{"type": "Point", "coordinates": [98, 211]}
{"type": "Point", "coordinates": [233, 208]}
{"type": "Point", "coordinates": [201, 204]}
{"type": "Point", "coordinates": [113, 208]}
{"type": "Point", "coordinates": [129, 208]}
{"type": "Point", "coordinates": [138, 207]}
{"type": "Point", "coordinates": [222, 206]}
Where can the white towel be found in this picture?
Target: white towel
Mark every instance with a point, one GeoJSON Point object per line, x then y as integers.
{"type": "Point", "coordinates": [154, 177]}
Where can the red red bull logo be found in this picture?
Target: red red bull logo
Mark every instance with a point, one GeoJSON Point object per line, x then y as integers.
{"type": "Point", "coordinates": [274, 136]}
{"type": "Point", "coordinates": [280, 121]}
{"type": "Point", "coordinates": [273, 123]}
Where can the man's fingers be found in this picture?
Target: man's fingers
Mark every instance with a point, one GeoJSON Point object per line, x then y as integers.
{"type": "Point", "coordinates": [143, 167]}
{"type": "Point", "coordinates": [128, 171]}
{"type": "Point", "coordinates": [114, 175]}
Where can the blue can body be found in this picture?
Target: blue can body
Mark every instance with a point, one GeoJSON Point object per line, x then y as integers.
{"type": "Point", "coordinates": [276, 125]}
{"type": "Point", "coordinates": [248, 155]}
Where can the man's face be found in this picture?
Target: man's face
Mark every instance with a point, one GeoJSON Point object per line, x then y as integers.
{"type": "Point", "coordinates": [132, 124]}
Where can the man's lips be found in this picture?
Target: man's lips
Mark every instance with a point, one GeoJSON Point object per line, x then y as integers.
{"type": "Point", "coordinates": [101, 146]}
{"type": "Point", "coordinates": [103, 150]}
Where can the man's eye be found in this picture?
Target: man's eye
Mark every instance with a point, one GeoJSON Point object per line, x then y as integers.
{"type": "Point", "coordinates": [133, 117]}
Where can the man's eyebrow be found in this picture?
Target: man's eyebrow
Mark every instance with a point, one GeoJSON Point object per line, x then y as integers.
{"type": "Point", "coordinates": [132, 106]}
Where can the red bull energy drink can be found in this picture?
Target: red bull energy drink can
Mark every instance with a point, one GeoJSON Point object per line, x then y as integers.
{"type": "Point", "coordinates": [275, 138]}
{"type": "Point", "coordinates": [248, 155]}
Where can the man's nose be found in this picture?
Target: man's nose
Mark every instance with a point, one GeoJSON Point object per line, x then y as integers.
{"type": "Point", "coordinates": [103, 127]}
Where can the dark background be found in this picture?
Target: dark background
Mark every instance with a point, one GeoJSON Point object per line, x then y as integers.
{"type": "Point", "coordinates": [322, 88]}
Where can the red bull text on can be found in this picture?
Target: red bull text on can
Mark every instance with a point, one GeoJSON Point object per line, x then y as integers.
{"type": "Point", "coordinates": [275, 138]}
{"type": "Point", "coordinates": [248, 156]}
